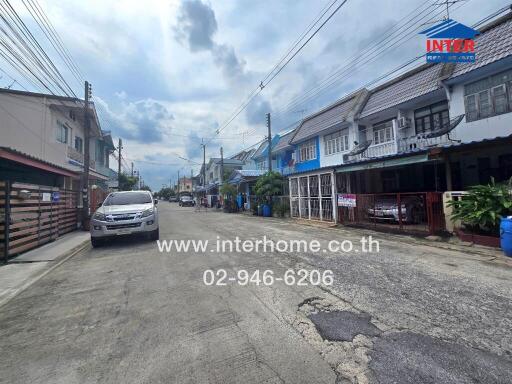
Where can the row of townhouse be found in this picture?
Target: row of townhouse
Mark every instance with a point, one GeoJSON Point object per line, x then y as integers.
{"type": "Point", "coordinates": [438, 127]}
{"type": "Point", "coordinates": [42, 141]}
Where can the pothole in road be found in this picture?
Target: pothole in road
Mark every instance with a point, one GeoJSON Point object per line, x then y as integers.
{"type": "Point", "coordinates": [343, 325]}
{"type": "Point", "coordinates": [340, 334]}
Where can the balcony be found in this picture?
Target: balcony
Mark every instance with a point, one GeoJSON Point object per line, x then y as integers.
{"type": "Point", "coordinates": [375, 151]}
{"type": "Point", "coordinates": [101, 169]}
{"type": "Point", "coordinates": [73, 154]}
{"type": "Point", "coordinates": [287, 170]}
{"type": "Point", "coordinates": [417, 142]}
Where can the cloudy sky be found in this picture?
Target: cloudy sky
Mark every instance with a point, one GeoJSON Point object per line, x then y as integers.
{"type": "Point", "coordinates": [167, 74]}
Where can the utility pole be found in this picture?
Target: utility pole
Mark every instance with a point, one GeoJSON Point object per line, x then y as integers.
{"type": "Point", "coordinates": [132, 168]}
{"type": "Point", "coordinates": [87, 138]}
{"type": "Point", "coordinates": [119, 149]}
{"type": "Point", "coordinates": [178, 182]}
{"type": "Point", "coordinates": [221, 166]}
{"type": "Point", "coordinates": [204, 164]}
{"type": "Point", "coordinates": [269, 138]}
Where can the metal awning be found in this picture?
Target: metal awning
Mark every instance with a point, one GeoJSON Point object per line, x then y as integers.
{"type": "Point", "coordinates": [396, 162]}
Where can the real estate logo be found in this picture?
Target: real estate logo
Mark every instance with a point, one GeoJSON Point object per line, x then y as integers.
{"type": "Point", "coordinates": [450, 42]}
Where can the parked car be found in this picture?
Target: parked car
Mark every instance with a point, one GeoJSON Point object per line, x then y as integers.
{"type": "Point", "coordinates": [125, 213]}
{"type": "Point", "coordinates": [386, 208]}
{"type": "Point", "coordinates": [187, 201]}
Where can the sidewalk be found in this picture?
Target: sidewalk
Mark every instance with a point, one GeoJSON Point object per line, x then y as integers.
{"type": "Point", "coordinates": [24, 270]}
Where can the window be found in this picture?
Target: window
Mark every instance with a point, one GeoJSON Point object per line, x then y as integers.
{"type": "Point", "coordinates": [62, 132]}
{"type": "Point", "coordinates": [499, 95]}
{"type": "Point", "coordinates": [471, 108]}
{"type": "Point", "coordinates": [488, 97]}
{"type": "Point", "coordinates": [484, 103]}
{"type": "Point", "coordinates": [100, 152]}
{"type": "Point", "coordinates": [383, 132]}
{"type": "Point", "coordinates": [432, 117]}
{"type": "Point", "coordinates": [336, 142]}
{"type": "Point", "coordinates": [307, 150]}
{"type": "Point", "coordinates": [262, 164]}
{"type": "Point", "coordinates": [509, 86]}
{"type": "Point", "coordinates": [128, 198]}
{"type": "Point", "coordinates": [79, 144]}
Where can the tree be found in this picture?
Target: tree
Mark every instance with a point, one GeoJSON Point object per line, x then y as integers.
{"type": "Point", "coordinates": [126, 183]}
{"type": "Point", "coordinates": [166, 193]}
{"type": "Point", "coordinates": [145, 188]}
{"type": "Point", "coordinates": [268, 185]}
{"type": "Point", "coordinates": [229, 192]}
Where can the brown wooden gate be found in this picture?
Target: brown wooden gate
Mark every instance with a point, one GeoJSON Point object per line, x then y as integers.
{"type": "Point", "coordinates": [32, 215]}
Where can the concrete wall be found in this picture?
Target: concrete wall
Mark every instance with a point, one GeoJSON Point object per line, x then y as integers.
{"type": "Point", "coordinates": [29, 125]}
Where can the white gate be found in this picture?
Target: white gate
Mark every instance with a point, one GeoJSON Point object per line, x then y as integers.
{"type": "Point", "coordinates": [312, 197]}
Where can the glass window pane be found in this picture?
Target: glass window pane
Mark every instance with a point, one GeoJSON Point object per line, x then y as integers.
{"type": "Point", "coordinates": [499, 99]}
{"type": "Point", "coordinates": [471, 108]}
{"type": "Point", "coordinates": [484, 103]}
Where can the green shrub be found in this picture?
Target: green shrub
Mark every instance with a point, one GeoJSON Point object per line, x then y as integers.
{"type": "Point", "coordinates": [483, 207]}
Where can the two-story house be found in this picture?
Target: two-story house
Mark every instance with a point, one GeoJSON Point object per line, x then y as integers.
{"type": "Point", "coordinates": [440, 126]}
{"type": "Point", "coordinates": [437, 127]}
{"type": "Point", "coordinates": [42, 140]}
{"type": "Point", "coordinates": [320, 142]}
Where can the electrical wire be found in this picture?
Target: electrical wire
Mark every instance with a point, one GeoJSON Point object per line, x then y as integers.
{"type": "Point", "coordinates": [262, 85]}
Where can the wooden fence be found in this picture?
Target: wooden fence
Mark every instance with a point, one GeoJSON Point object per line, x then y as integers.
{"type": "Point", "coordinates": [32, 215]}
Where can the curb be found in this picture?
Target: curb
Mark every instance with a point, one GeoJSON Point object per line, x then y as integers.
{"type": "Point", "coordinates": [60, 260]}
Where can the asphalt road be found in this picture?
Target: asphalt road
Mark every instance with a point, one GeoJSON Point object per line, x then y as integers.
{"type": "Point", "coordinates": [127, 313]}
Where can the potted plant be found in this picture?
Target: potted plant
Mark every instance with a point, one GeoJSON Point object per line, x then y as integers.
{"type": "Point", "coordinates": [268, 185]}
{"type": "Point", "coordinates": [481, 210]}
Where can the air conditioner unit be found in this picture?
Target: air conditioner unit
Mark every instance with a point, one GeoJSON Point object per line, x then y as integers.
{"type": "Point", "coordinates": [403, 122]}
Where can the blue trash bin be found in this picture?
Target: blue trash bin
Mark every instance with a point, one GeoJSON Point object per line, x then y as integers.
{"type": "Point", "coordinates": [506, 235]}
{"type": "Point", "coordinates": [266, 210]}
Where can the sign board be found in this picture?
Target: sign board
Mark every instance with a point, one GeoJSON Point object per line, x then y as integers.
{"type": "Point", "coordinates": [46, 197]}
{"type": "Point", "coordinates": [55, 197]}
{"type": "Point", "coordinates": [346, 200]}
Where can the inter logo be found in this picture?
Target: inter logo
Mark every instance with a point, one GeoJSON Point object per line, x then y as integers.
{"type": "Point", "coordinates": [450, 42]}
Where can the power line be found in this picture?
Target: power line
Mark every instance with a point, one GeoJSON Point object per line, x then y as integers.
{"type": "Point", "coordinates": [22, 47]}
{"type": "Point", "coordinates": [411, 61]}
{"type": "Point", "coordinates": [268, 78]}
{"type": "Point", "coordinates": [390, 38]}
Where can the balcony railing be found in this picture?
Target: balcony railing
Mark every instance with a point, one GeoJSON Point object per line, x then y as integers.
{"type": "Point", "coordinates": [77, 156]}
{"type": "Point", "coordinates": [287, 170]}
{"type": "Point", "coordinates": [377, 150]}
{"type": "Point", "coordinates": [101, 169]}
{"type": "Point", "coordinates": [73, 154]}
{"type": "Point", "coordinates": [407, 144]}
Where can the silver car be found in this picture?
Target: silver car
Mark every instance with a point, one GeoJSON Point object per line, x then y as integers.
{"type": "Point", "coordinates": [125, 213]}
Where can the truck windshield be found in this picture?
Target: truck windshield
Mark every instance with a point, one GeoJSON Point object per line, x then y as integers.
{"type": "Point", "coordinates": [128, 198]}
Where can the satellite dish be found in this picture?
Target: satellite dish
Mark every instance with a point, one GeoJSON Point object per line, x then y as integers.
{"type": "Point", "coordinates": [359, 148]}
{"type": "Point", "coordinates": [446, 129]}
